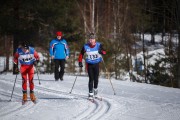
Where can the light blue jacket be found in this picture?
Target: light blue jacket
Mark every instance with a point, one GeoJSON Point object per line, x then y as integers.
{"type": "Point", "coordinates": [59, 49]}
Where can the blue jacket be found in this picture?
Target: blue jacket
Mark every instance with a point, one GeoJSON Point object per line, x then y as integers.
{"type": "Point", "coordinates": [59, 49]}
{"type": "Point", "coordinates": [26, 58]}
{"type": "Point", "coordinates": [92, 54]}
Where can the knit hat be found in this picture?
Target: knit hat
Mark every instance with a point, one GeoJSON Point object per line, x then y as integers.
{"type": "Point", "coordinates": [24, 45]}
{"type": "Point", "coordinates": [58, 33]}
{"type": "Point", "coordinates": [92, 36]}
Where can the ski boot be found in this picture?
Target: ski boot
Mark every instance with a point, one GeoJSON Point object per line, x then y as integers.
{"type": "Point", "coordinates": [61, 78]}
{"type": "Point", "coordinates": [24, 99]}
{"type": "Point", "coordinates": [32, 96]}
{"type": "Point", "coordinates": [95, 92]}
{"type": "Point", "coordinates": [90, 97]}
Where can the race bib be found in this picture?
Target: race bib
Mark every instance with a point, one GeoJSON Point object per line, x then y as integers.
{"type": "Point", "coordinates": [93, 55]}
{"type": "Point", "coordinates": [26, 57]}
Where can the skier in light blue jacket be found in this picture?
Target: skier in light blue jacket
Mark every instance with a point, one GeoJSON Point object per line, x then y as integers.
{"type": "Point", "coordinates": [59, 52]}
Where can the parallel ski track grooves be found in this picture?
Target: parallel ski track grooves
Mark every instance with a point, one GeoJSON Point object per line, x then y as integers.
{"type": "Point", "coordinates": [89, 110]}
{"type": "Point", "coordinates": [8, 94]}
{"type": "Point", "coordinates": [104, 109]}
{"type": "Point", "coordinates": [15, 94]}
{"type": "Point", "coordinates": [15, 109]}
{"type": "Point", "coordinates": [101, 108]}
{"type": "Point", "coordinates": [95, 113]}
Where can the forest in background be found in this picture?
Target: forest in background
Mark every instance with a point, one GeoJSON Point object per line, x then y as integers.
{"type": "Point", "coordinates": [116, 24]}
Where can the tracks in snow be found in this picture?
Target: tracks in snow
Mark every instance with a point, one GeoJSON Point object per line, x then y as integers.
{"type": "Point", "coordinates": [13, 107]}
{"type": "Point", "coordinates": [96, 111]}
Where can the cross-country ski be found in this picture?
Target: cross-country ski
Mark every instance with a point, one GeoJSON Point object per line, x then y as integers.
{"type": "Point", "coordinates": [25, 102]}
{"type": "Point", "coordinates": [98, 98]}
{"type": "Point", "coordinates": [91, 100]}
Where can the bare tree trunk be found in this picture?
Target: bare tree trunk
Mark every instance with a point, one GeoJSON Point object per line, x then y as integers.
{"type": "Point", "coordinates": [178, 78]}
{"type": "Point", "coordinates": [178, 28]}
{"type": "Point", "coordinates": [7, 48]}
{"type": "Point", "coordinates": [164, 22]}
{"type": "Point", "coordinates": [152, 36]}
{"type": "Point", "coordinates": [114, 23]}
{"type": "Point", "coordinates": [107, 17]}
{"type": "Point", "coordinates": [127, 56]}
{"type": "Point", "coordinates": [84, 16]}
{"type": "Point", "coordinates": [97, 18]}
{"type": "Point", "coordinates": [85, 21]}
{"type": "Point", "coordinates": [92, 20]}
{"type": "Point", "coordinates": [144, 58]}
{"type": "Point", "coordinates": [136, 68]}
{"type": "Point", "coordinates": [16, 33]}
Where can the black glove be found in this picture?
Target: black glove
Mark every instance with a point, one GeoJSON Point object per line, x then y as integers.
{"type": "Point", "coordinates": [16, 69]}
{"type": "Point", "coordinates": [36, 62]}
{"type": "Point", "coordinates": [80, 64]}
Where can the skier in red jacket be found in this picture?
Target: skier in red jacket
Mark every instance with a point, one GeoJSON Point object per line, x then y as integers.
{"type": "Point", "coordinates": [27, 57]}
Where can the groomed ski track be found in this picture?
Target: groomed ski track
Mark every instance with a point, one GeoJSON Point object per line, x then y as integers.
{"type": "Point", "coordinates": [94, 111]}
{"type": "Point", "coordinates": [54, 99]}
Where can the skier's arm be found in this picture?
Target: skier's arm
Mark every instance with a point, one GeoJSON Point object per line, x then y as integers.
{"type": "Point", "coordinates": [36, 55]}
{"type": "Point", "coordinates": [51, 47]}
{"type": "Point", "coordinates": [81, 54]}
{"type": "Point", "coordinates": [67, 49]}
{"type": "Point", "coordinates": [101, 50]}
{"type": "Point", "coordinates": [36, 58]}
{"type": "Point", "coordinates": [16, 56]}
{"type": "Point", "coordinates": [16, 69]}
{"type": "Point", "coordinates": [81, 57]}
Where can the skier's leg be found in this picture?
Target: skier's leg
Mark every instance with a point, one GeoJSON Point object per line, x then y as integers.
{"type": "Point", "coordinates": [31, 83]}
{"type": "Point", "coordinates": [31, 76]}
{"type": "Point", "coordinates": [24, 82]}
{"type": "Point", "coordinates": [96, 79]}
{"type": "Point", "coordinates": [62, 66]}
{"type": "Point", "coordinates": [91, 78]}
{"type": "Point", "coordinates": [56, 70]}
{"type": "Point", "coordinates": [96, 75]}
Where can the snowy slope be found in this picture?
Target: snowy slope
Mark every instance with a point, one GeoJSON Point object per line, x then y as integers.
{"type": "Point", "coordinates": [133, 101]}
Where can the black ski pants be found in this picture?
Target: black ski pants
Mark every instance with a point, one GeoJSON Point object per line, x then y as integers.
{"type": "Point", "coordinates": [59, 63]}
{"type": "Point", "coordinates": [93, 72]}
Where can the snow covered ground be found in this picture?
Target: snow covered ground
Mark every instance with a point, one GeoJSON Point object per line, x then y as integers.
{"type": "Point", "coordinates": [133, 101]}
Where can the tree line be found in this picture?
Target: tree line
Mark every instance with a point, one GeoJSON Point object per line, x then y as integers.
{"type": "Point", "coordinates": [115, 22]}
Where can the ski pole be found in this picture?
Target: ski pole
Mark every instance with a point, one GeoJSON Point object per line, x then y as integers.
{"type": "Point", "coordinates": [73, 84]}
{"type": "Point", "coordinates": [13, 87]}
{"type": "Point", "coordinates": [108, 77]}
{"type": "Point", "coordinates": [38, 75]}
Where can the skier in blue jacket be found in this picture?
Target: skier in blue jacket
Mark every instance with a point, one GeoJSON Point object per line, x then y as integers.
{"type": "Point", "coordinates": [93, 51]}
{"type": "Point", "coordinates": [59, 52]}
